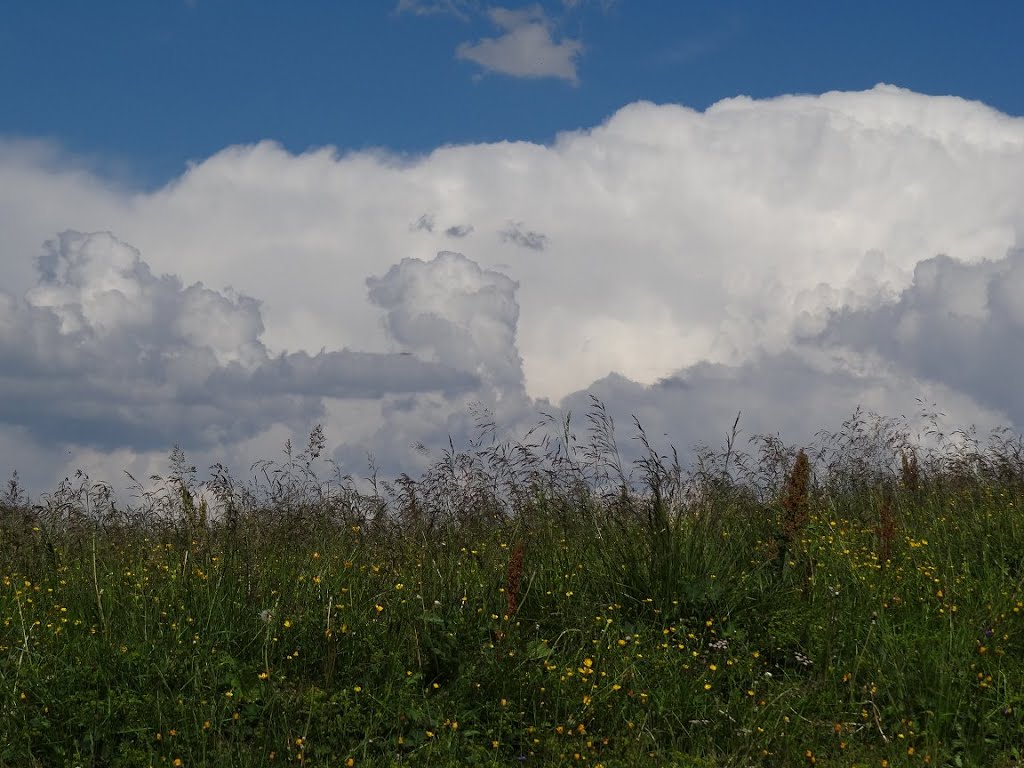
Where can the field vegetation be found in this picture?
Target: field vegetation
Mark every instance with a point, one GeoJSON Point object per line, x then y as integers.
{"type": "Point", "coordinates": [859, 601]}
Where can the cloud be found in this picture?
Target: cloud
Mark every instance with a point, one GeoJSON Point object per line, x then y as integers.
{"type": "Point", "coordinates": [459, 230]}
{"type": "Point", "coordinates": [463, 317]}
{"type": "Point", "coordinates": [604, 5]}
{"type": "Point", "coordinates": [454, 312]}
{"type": "Point", "coordinates": [423, 223]}
{"type": "Point", "coordinates": [103, 353]}
{"type": "Point", "coordinates": [461, 9]}
{"type": "Point", "coordinates": [957, 324]}
{"type": "Point", "coordinates": [525, 49]}
{"type": "Point", "coordinates": [514, 233]}
{"type": "Point", "coordinates": [779, 257]}
{"type": "Point", "coordinates": [794, 395]}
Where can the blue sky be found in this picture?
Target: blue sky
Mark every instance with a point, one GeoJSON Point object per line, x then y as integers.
{"type": "Point", "coordinates": [224, 222]}
{"type": "Point", "coordinates": [143, 87]}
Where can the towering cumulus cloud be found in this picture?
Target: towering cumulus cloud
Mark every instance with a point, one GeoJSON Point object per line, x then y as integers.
{"type": "Point", "coordinates": [960, 324]}
{"type": "Point", "coordinates": [790, 258]}
{"type": "Point", "coordinates": [457, 313]}
{"type": "Point", "coordinates": [103, 353]}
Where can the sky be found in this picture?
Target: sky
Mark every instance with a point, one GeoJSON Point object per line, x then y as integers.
{"type": "Point", "coordinates": [222, 223]}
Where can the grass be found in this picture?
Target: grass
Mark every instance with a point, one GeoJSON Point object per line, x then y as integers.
{"type": "Point", "coordinates": [859, 602]}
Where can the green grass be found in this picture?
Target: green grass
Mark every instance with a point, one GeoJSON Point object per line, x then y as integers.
{"type": "Point", "coordinates": [728, 616]}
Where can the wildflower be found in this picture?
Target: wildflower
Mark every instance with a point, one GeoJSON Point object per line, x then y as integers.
{"type": "Point", "coordinates": [266, 615]}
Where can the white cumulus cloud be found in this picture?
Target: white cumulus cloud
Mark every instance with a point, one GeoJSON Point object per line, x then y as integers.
{"type": "Point", "coordinates": [958, 324]}
{"type": "Point", "coordinates": [103, 353]}
{"type": "Point", "coordinates": [789, 258]}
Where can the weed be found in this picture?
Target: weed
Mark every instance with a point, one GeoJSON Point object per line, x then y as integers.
{"type": "Point", "coordinates": [537, 602]}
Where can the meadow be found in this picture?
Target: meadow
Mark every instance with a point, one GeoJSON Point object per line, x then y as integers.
{"type": "Point", "coordinates": [856, 602]}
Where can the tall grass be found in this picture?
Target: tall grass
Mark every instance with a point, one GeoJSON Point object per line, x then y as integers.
{"type": "Point", "coordinates": [854, 602]}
